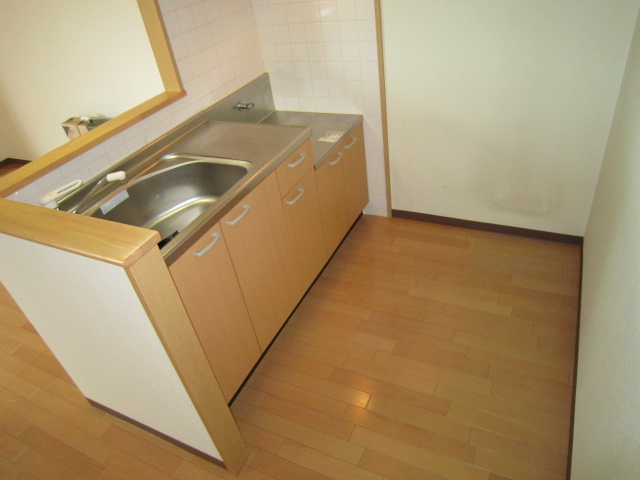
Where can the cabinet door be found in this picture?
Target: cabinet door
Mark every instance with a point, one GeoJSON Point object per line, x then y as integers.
{"type": "Point", "coordinates": [355, 173]}
{"type": "Point", "coordinates": [333, 199]}
{"type": "Point", "coordinates": [207, 283]}
{"type": "Point", "coordinates": [308, 243]}
{"type": "Point", "coordinates": [258, 241]}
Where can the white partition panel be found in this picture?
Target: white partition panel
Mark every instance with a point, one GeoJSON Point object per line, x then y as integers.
{"type": "Point", "coordinates": [102, 336]}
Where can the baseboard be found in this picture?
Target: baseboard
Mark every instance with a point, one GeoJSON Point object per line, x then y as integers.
{"type": "Point", "coordinates": [575, 369]}
{"type": "Point", "coordinates": [489, 227]}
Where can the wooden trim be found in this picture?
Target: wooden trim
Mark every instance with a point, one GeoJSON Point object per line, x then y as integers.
{"type": "Point", "coordinates": [159, 296]}
{"type": "Point", "coordinates": [109, 242]}
{"type": "Point", "coordinates": [173, 91]}
{"type": "Point", "coordinates": [489, 227]}
{"type": "Point", "coordinates": [383, 105]}
{"type": "Point", "coordinates": [157, 33]}
{"type": "Point", "coordinates": [169, 439]}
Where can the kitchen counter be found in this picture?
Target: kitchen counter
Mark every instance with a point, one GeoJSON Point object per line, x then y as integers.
{"type": "Point", "coordinates": [327, 129]}
{"type": "Point", "coordinates": [265, 144]}
{"type": "Point", "coordinates": [258, 94]}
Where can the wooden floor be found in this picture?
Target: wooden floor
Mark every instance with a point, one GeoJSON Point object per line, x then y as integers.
{"type": "Point", "coordinates": [422, 353]}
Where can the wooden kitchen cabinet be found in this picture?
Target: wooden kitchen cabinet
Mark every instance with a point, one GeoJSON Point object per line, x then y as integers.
{"type": "Point", "coordinates": [342, 186]}
{"type": "Point", "coordinates": [333, 199]}
{"type": "Point", "coordinates": [206, 281]}
{"type": "Point", "coordinates": [355, 173]}
{"type": "Point", "coordinates": [304, 220]}
{"type": "Point", "coordinates": [260, 249]}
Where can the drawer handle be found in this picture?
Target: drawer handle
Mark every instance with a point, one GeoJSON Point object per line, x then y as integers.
{"type": "Point", "coordinates": [246, 207]}
{"type": "Point", "coordinates": [337, 159]}
{"type": "Point", "coordinates": [303, 155]}
{"type": "Point", "coordinates": [203, 252]}
{"type": "Point", "coordinates": [298, 197]}
{"type": "Point", "coordinates": [353, 142]}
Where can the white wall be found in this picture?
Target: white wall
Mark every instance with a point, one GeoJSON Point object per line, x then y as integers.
{"type": "Point", "coordinates": [217, 49]}
{"type": "Point", "coordinates": [499, 110]}
{"type": "Point", "coordinates": [49, 69]}
{"type": "Point", "coordinates": [607, 417]}
{"type": "Point", "coordinates": [322, 56]}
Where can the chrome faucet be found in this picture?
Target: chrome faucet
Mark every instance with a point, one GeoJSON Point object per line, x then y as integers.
{"type": "Point", "coordinates": [242, 105]}
{"type": "Point", "coordinates": [108, 178]}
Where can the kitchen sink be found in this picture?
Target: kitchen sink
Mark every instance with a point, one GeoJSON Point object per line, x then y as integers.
{"type": "Point", "coordinates": [172, 193]}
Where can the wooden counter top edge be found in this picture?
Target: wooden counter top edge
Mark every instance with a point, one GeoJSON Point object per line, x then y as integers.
{"type": "Point", "coordinates": [109, 242]}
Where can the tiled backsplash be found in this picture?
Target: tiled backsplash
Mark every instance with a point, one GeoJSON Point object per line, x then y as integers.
{"type": "Point", "coordinates": [321, 56]}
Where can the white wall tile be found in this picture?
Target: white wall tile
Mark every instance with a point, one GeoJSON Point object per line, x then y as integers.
{"type": "Point", "coordinates": [316, 52]}
{"type": "Point", "coordinates": [347, 10]}
{"type": "Point", "coordinates": [186, 20]}
{"type": "Point", "coordinates": [331, 31]}
{"type": "Point", "coordinates": [328, 11]}
{"type": "Point", "coordinates": [349, 31]}
{"type": "Point", "coordinates": [365, 10]}
{"type": "Point", "coordinates": [313, 32]}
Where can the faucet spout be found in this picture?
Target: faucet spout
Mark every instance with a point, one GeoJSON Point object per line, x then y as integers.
{"type": "Point", "coordinates": [120, 176]}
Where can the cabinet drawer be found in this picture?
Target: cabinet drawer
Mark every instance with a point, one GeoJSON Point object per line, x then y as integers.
{"type": "Point", "coordinates": [294, 168]}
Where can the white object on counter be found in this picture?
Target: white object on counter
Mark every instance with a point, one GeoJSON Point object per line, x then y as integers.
{"type": "Point", "coordinates": [50, 200]}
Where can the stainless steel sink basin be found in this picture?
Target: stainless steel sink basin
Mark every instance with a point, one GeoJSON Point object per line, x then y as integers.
{"type": "Point", "coordinates": [172, 193]}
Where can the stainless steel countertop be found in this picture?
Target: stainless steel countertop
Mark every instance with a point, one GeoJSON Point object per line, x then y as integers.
{"type": "Point", "coordinates": [266, 145]}
{"type": "Point", "coordinates": [320, 124]}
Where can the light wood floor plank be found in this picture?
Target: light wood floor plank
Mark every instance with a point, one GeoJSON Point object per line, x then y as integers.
{"type": "Point", "coordinates": [419, 306]}
{"type": "Point", "coordinates": [391, 391]}
{"type": "Point", "coordinates": [419, 417]}
{"type": "Point", "coordinates": [540, 457]}
{"type": "Point", "coordinates": [329, 424]}
{"type": "Point", "coordinates": [323, 442]}
{"type": "Point", "coordinates": [394, 469]}
{"type": "Point", "coordinates": [471, 383]}
{"type": "Point", "coordinates": [324, 464]}
{"type": "Point", "coordinates": [302, 396]}
{"type": "Point", "coordinates": [402, 328]}
{"type": "Point", "coordinates": [422, 352]}
{"type": "Point", "coordinates": [402, 378]}
{"type": "Point", "coordinates": [398, 430]}
{"type": "Point", "coordinates": [512, 468]}
{"type": "Point", "coordinates": [428, 460]}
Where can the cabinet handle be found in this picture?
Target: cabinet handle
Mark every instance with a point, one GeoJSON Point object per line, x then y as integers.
{"type": "Point", "coordinates": [353, 142]}
{"type": "Point", "coordinates": [216, 239]}
{"type": "Point", "coordinates": [298, 197]}
{"type": "Point", "coordinates": [246, 207]}
{"type": "Point", "coordinates": [337, 159]}
{"type": "Point", "coordinates": [303, 155]}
